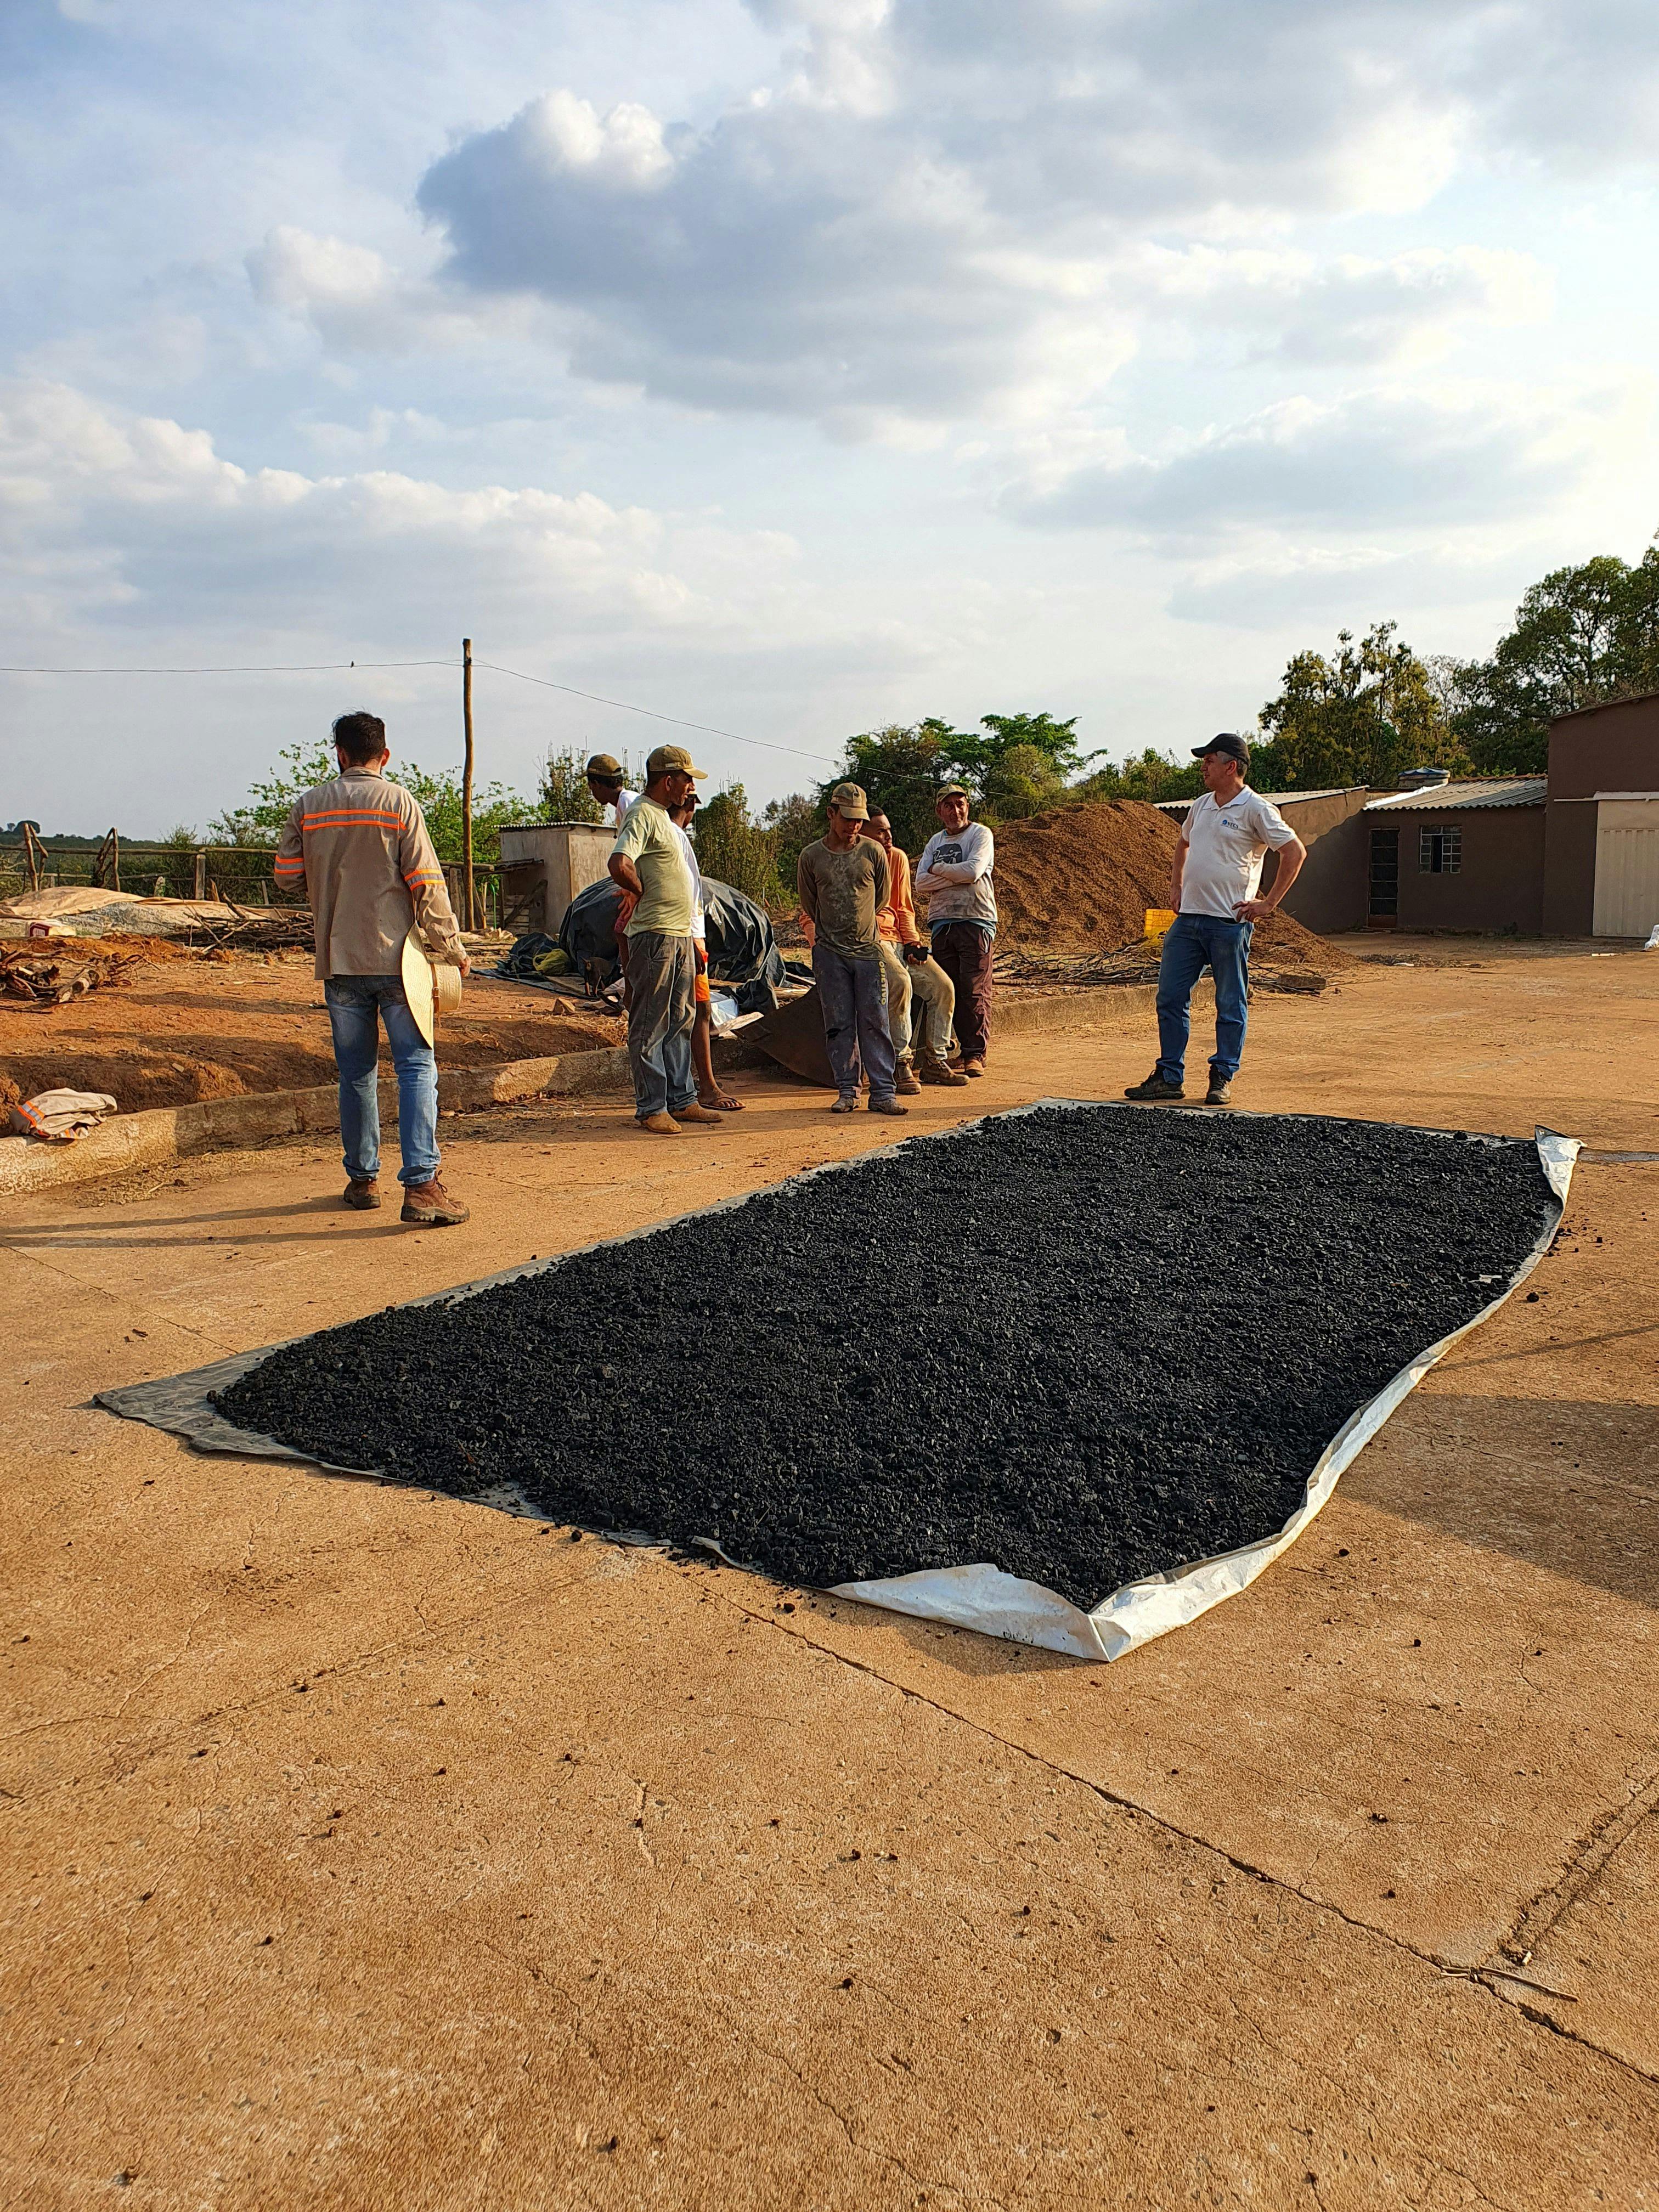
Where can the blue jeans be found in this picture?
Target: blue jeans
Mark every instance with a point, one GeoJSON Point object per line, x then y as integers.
{"type": "Point", "coordinates": [854, 996]}
{"type": "Point", "coordinates": [356, 1007]}
{"type": "Point", "coordinates": [662, 981]}
{"type": "Point", "coordinates": [1195, 942]}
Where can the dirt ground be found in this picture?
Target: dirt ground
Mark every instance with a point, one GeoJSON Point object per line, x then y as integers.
{"type": "Point", "coordinates": [373, 1849]}
{"type": "Point", "coordinates": [187, 1028]}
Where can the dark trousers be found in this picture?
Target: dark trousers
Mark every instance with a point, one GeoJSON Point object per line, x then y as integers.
{"type": "Point", "coordinates": [854, 996]}
{"type": "Point", "coordinates": [1193, 943]}
{"type": "Point", "coordinates": [965, 953]}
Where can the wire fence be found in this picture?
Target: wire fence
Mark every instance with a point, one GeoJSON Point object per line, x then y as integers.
{"type": "Point", "coordinates": [240, 873]}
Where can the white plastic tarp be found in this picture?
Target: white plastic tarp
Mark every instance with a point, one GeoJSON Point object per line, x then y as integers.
{"type": "Point", "coordinates": [978, 1596]}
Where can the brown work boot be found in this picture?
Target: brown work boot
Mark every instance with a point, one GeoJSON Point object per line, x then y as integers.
{"type": "Point", "coordinates": [705, 1116]}
{"type": "Point", "coordinates": [939, 1071]}
{"type": "Point", "coordinates": [975, 1067]}
{"type": "Point", "coordinates": [887, 1106]}
{"type": "Point", "coordinates": [361, 1194]}
{"type": "Point", "coordinates": [904, 1080]}
{"type": "Point", "coordinates": [659, 1125]}
{"type": "Point", "coordinates": [429, 1206]}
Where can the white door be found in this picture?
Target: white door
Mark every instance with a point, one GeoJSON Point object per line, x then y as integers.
{"type": "Point", "coordinates": [1626, 867]}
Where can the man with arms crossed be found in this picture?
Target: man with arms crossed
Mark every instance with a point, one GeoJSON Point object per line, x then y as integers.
{"type": "Point", "coordinates": [357, 847]}
{"type": "Point", "coordinates": [1213, 888]}
{"type": "Point", "coordinates": [955, 877]}
{"type": "Point", "coordinates": [842, 880]}
{"type": "Point", "coordinates": [647, 865]}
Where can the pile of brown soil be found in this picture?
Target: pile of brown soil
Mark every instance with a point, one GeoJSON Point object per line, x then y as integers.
{"type": "Point", "coordinates": [1082, 878]}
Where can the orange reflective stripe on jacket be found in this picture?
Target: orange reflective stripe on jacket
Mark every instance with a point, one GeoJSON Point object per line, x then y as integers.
{"type": "Point", "coordinates": [366, 891]}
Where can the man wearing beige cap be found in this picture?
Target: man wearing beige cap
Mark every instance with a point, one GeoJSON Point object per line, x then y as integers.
{"type": "Point", "coordinates": [647, 865]}
{"type": "Point", "coordinates": [610, 791]}
{"type": "Point", "coordinates": [844, 881]}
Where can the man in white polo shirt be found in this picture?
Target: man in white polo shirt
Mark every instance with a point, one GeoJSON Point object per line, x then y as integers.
{"type": "Point", "coordinates": [1213, 888]}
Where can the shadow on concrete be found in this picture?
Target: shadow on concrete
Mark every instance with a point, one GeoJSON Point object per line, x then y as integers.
{"type": "Point", "coordinates": [1570, 1486]}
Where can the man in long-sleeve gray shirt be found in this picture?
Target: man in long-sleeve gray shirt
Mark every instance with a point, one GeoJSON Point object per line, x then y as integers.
{"type": "Point", "coordinates": [955, 877]}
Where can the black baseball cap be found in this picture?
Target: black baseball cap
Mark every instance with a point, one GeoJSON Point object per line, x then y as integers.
{"type": "Point", "coordinates": [1228, 742]}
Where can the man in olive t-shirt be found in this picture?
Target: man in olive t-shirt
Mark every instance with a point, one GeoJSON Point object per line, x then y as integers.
{"type": "Point", "coordinates": [844, 881]}
{"type": "Point", "coordinates": [647, 865]}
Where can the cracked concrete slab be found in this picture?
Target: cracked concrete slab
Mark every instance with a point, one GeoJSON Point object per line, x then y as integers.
{"type": "Point", "coordinates": [378, 1941]}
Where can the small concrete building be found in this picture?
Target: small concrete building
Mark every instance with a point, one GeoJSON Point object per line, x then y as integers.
{"type": "Point", "coordinates": [1459, 855]}
{"type": "Point", "coordinates": [1601, 821]}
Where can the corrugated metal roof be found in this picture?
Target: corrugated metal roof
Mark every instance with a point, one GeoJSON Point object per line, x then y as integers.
{"type": "Point", "coordinates": [1273, 798]}
{"type": "Point", "coordinates": [1460, 793]}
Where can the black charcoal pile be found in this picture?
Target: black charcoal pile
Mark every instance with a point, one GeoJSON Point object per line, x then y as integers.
{"type": "Point", "coordinates": [1082, 1345]}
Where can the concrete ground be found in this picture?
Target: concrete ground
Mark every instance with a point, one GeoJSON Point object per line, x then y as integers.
{"type": "Point", "coordinates": [368, 1850]}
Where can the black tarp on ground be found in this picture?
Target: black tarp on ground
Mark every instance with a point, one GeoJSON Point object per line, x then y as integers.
{"type": "Point", "coordinates": [743, 952]}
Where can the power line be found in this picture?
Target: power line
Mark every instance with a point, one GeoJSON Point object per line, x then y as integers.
{"type": "Point", "coordinates": [678, 721]}
{"type": "Point", "coordinates": [338, 667]}
{"type": "Point", "coordinates": [274, 668]}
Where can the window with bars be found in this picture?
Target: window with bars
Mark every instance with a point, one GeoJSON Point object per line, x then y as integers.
{"type": "Point", "coordinates": [1440, 851]}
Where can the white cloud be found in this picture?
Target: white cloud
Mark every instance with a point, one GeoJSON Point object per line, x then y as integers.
{"type": "Point", "coordinates": [937, 215]}
{"type": "Point", "coordinates": [141, 519]}
{"type": "Point", "coordinates": [1415, 458]}
{"type": "Point", "coordinates": [1344, 310]}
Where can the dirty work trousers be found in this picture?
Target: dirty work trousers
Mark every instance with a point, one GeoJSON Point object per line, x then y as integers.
{"type": "Point", "coordinates": [1194, 943]}
{"type": "Point", "coordinates": [922, 984]}
{"type": "Point", "coordinates": [854, 996]}
{"type": "Point", "coordinates": [662, 980]}
{"type": "Point", "coordinates": [965, 952]}
{"type": "Point", "coordinates": [357, 1005]}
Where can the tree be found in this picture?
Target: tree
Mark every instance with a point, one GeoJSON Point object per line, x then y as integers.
{"type": "Point", "coordinates": [735, 849]}
{"type": "Point", "coordinates": [564, 794]}
{"type": "Point", "coordinates": [1148, 775]}
{"type": "Point", "coordinates": [1362, 716]}
{"type": "Point", "coordinates": [902, 770]}
{"type": "Point", "coordinates": [983, 760]}
{"type": "Point", "coordinates": [1014, 765]}
{"type": "Point", "coordinates": [1581, 637]}
{"type": "Point", "coordinates": [791, 824]}
{"type": "Point", "coordinates": [259, 820]}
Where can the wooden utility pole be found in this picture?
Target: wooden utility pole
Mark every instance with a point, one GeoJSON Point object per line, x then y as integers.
{"type": "Point", "coordinates": [466, 781]}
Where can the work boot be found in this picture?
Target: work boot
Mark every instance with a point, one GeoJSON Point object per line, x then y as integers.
{"type": "Point", "coordinates": [429, 1206]}
{"type": "Point", "coordinates": [930, 1070]}
{"type": "Point", "coordinates": [975, 1067]}
{"type": "Point", "coordinates": [846, 1103]}
{"type": "Point", "coordinates": [887, 1106]}
{"type": "Point", "coordinates": [1220, 1092]}
{"type": "Point", "coordinates": [704, 1114]}
{"type": "Point", "coordinates": [1157, 1087]}
{"type": "Point", "coordinates": [904, 1080]}
{"type": "Point", "coordinates": [659, 1124]}
{"type": "Point", "coordinates": [362, 1195]}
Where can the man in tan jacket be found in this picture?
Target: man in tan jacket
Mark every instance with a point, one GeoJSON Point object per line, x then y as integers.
{"type": "Point", "coordinates": [358, 848]}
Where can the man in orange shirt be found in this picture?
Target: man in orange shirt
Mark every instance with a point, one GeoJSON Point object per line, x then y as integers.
{"type": "Point", "coordinates": [914, 976]}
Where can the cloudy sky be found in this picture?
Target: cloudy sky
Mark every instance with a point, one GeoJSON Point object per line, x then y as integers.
{"type": "Point", "coordinates": [790, 365]}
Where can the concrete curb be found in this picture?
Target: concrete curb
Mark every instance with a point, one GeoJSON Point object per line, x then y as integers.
{"type": "Point", "coordinates": [164, 1133]}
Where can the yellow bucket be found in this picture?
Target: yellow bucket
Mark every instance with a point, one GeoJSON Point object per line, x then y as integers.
{"type": "Point", "coordinates": [1159, 918]}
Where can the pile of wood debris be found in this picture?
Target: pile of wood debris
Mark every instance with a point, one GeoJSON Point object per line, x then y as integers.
{"type": "Point", "coordinates": [1132, 963]}
{"type": "Point", "coordinates": [28, 971]}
